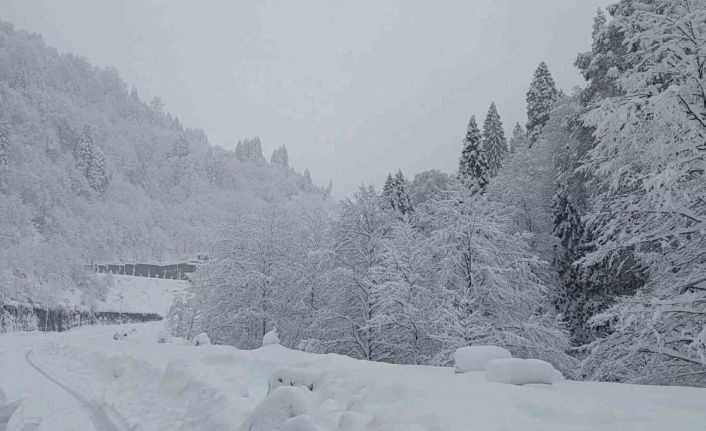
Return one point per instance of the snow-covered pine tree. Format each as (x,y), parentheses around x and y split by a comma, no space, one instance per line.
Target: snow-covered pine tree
(494,141)
(91,161)
(4,145)
(181,148)
(279,157)
(472,165)
(395,193)
(249,150)
(540,98)
(388,191)
(518,138)
(403,203)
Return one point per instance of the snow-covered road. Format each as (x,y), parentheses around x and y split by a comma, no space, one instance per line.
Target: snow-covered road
(85,380)
(30,397)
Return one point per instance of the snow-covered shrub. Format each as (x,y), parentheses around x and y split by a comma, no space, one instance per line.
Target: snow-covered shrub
(119,335)
(164,337)
(475,358)
(282,404)
(201,340)
(287,376)
(516,371)
(271,337)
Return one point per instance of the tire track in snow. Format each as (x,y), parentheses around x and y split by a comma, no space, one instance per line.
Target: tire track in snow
(104,417)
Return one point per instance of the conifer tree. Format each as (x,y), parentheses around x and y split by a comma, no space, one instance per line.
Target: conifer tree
(91,161)
(280,157)
(472,166)
(388,190)
(540,99)
(494,141)
(403,203)
(518,138)
(395,193)
(180,149)
(4,145)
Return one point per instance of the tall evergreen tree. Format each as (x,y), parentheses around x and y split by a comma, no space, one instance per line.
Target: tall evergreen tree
(472,166)
(91,161)
(540,98)
(4,145)
(494,141)
(403,203)
(280,157)
(395,193)
(518,138)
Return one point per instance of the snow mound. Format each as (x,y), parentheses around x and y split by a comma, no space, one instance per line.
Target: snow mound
(475,358)
(283,404)
(515,371)
(201,340)
(300,423)
(271,337)
(286,376)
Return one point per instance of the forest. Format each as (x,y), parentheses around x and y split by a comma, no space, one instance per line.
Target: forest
(579,239)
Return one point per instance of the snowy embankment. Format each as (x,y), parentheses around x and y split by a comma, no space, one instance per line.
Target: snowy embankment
(141,294)
(140,384)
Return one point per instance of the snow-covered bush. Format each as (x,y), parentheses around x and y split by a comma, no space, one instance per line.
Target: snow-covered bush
(119,335)
(271,337)
(201,340)
(287,376)
(283,404)
(516,371)
(164,337)
(475,358)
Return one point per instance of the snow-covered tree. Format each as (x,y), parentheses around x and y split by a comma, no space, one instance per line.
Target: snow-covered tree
(518,138)
(472,165)
(249,150)
(280,157)
(428,185)
(407,270)
(648,169)
(540,99)
(395,192)
(494,141)
(361,309)
(492,294)
(91,161)
(4,145)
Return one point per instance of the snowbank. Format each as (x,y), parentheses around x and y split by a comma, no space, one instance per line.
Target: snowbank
(475,358)
(201,340)
(282,405)
(287,376)
(271,337)
(300,423)
(217,388)
(515,371)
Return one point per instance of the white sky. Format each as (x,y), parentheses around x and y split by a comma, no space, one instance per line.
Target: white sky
(354,89)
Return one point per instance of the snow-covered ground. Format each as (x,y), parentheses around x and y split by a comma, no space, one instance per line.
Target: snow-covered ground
(85,380)
(141,294)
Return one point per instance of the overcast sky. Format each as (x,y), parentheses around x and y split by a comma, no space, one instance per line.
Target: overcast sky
(353,89)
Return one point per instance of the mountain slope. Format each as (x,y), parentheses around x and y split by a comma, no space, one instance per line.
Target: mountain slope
(90,172)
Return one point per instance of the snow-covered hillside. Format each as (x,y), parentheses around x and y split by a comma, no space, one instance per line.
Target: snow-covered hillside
(85,380)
